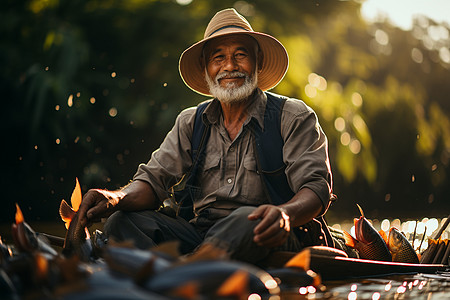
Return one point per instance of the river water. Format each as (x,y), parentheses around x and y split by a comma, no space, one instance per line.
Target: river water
(413,286)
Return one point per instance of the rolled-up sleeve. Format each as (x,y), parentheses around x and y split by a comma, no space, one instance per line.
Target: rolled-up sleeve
(305,151)
(168,163)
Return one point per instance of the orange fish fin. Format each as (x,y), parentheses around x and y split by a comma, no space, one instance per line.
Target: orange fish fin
(360,210)
(19,216)
(169,248)
(383,235)
(235,285)
(188,290)
(301,260)
(76,196)
(66,212)
(349,240)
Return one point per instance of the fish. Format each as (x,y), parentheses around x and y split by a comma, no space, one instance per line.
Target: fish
(401,250)
(136,263)
(368,241)
(77,240)
(26,239)
(213,279)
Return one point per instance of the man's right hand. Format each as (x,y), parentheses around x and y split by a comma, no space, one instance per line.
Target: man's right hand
(98,204)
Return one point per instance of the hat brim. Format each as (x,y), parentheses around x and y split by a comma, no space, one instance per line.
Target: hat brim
(274,65)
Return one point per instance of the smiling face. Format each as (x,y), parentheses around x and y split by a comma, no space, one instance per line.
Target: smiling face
(231,67)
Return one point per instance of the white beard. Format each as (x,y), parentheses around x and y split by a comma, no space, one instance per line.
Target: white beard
(232,93)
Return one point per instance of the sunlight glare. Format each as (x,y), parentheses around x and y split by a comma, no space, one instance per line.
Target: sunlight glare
(184,2)
(381,37)
(355,146)
(302,290)
(417,55)
(339,124)
(357,99)
(352,296)
(70,100)
(254,297)
(385,225)
(345,138)
(396,223)
(310,91)
(113,112)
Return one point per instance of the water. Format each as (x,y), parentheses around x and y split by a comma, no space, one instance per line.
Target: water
(418,286)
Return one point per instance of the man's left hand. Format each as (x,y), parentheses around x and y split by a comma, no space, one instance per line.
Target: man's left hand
(274,228)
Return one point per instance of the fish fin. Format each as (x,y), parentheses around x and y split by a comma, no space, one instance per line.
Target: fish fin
(70,268)
(189,290)
(169,248)
(19,215)
(66,212)
(301,260)
(41,267)
(360,210)
(206,251)
(76,196)
(349,240)
(145,272)
(384,236)
(235,285)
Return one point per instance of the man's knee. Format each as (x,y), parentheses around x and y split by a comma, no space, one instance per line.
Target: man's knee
(241,213)
(115,221)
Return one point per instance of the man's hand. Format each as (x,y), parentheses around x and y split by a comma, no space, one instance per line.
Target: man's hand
(274,228)
(98,204)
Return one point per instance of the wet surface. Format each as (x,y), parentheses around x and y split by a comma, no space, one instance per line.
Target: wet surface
(412,286)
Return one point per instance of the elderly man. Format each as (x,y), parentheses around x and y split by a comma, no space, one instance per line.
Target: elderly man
(247,171)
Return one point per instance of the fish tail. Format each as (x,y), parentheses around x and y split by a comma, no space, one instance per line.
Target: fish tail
(384,236)
(235,285)
(66,212)
(189,290)
(360,210)
(19,215)
(301,260)
(349,240)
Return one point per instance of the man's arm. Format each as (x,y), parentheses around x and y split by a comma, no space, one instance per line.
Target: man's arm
(276,221)
(98,204)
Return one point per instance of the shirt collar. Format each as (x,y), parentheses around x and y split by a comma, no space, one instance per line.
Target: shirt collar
(256,109)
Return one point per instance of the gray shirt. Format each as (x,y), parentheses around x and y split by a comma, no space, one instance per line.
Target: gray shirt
(229,178)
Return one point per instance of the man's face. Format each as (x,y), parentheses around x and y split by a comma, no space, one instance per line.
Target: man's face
(231,67)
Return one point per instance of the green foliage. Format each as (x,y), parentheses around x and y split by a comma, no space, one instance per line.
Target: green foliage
(91,87)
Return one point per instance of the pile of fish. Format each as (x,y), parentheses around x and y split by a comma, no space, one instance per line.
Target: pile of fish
(394,246)
(88,267)
(81,266)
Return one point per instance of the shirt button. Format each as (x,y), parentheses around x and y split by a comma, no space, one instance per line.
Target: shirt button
(229,180)
(232,149)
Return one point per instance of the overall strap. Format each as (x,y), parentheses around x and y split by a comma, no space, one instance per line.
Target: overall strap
(200,136)
(183,191)
(269,151)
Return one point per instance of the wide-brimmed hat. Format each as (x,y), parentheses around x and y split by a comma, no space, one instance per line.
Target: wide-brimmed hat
(227,22)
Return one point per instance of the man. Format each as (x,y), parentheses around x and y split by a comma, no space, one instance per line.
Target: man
(233,208)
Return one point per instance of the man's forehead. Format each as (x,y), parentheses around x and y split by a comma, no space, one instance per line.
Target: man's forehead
(240,40)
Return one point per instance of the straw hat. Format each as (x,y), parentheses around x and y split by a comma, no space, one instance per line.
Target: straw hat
(226,22)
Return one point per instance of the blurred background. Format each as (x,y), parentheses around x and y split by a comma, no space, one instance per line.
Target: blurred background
(91,87)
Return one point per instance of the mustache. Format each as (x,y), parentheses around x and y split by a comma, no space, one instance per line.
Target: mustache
(230,75)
